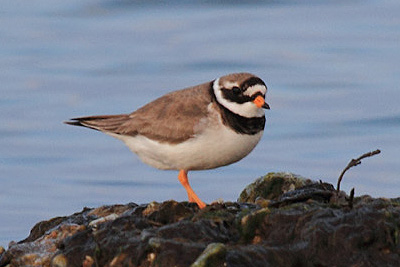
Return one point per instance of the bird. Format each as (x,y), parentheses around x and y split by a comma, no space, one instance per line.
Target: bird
(202,127)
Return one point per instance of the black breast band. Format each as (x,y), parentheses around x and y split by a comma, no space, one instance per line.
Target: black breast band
(239,123)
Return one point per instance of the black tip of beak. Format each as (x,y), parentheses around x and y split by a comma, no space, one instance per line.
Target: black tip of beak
(266,106)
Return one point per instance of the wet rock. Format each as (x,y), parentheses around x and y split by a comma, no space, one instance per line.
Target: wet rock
(280,220)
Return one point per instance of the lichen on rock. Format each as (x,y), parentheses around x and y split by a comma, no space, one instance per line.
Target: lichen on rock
(272,185)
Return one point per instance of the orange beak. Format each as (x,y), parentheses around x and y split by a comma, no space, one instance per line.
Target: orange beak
(260,102)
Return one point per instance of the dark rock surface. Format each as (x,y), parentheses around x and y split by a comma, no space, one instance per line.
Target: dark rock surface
(286,221)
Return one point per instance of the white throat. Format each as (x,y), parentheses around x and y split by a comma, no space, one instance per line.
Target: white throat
(247,109)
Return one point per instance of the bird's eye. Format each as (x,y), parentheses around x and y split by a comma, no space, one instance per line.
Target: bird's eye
(236,90)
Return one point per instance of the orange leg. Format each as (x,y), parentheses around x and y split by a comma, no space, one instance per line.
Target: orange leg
(191,194)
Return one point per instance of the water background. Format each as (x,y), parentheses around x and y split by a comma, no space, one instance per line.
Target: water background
(332,68)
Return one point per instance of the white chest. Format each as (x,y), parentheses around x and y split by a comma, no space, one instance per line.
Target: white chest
(212,148)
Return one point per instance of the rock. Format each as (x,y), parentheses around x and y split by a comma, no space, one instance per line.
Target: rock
(213,255)
(88,261)
(287,220)
(250,223)
(59,261)
(272,185)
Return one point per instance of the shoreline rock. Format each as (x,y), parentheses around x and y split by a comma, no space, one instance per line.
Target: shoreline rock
(279,220)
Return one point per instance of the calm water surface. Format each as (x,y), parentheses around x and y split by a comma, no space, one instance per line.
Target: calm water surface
(332,69)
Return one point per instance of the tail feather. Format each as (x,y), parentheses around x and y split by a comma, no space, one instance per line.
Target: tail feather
(107,123)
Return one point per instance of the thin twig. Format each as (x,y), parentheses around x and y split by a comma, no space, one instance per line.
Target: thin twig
(355,162)
(351,198)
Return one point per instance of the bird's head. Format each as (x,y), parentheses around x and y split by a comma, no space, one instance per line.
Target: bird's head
(241,93)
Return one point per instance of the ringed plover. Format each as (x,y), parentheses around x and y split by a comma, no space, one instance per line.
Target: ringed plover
(201,127)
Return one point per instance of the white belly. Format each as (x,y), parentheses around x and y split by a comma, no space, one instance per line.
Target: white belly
(212,148)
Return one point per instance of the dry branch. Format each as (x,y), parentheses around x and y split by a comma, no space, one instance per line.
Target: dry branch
(355,162)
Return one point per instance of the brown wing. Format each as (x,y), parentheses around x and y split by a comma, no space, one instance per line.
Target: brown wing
(170,118)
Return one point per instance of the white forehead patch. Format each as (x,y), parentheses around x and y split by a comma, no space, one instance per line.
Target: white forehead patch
(257,88)
(247,109)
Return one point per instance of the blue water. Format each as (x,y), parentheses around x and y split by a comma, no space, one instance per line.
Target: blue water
(332,69)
